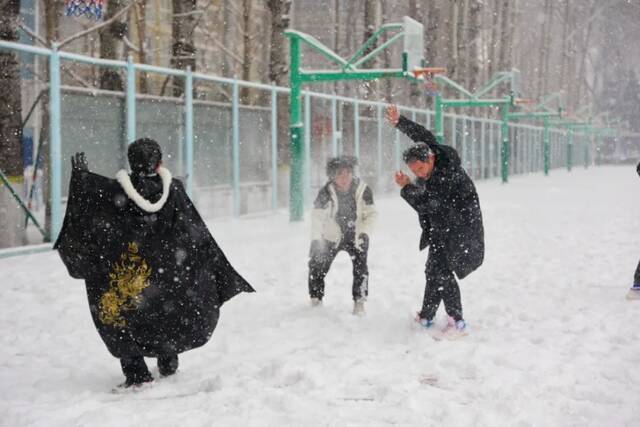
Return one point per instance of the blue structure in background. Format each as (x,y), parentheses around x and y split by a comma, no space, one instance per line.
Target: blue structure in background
(27,147)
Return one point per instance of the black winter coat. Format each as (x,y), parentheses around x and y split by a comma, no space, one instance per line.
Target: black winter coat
(155,280)
(447,205)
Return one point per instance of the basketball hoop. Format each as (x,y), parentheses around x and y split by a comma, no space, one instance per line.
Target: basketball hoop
(523,101)
(428,74)
(92,9)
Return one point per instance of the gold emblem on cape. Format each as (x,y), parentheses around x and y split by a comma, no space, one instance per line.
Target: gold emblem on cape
(126,281)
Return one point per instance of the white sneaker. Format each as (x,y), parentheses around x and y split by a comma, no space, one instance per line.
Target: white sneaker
(358,307)
(315,302)
(634,293)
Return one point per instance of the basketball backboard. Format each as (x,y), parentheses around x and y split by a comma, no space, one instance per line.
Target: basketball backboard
(413,49)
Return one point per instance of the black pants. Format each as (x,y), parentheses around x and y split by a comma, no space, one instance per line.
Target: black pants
(135,368)
(441,286)
(636,277)
(320,258)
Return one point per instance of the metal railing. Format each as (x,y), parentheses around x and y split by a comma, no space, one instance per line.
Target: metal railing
(478,140)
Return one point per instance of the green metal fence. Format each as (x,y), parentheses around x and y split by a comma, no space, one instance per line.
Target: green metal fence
(228,152)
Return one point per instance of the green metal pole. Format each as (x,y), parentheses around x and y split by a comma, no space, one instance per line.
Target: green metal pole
(439,119)
(546,146)
(188,129)
(296,202)
(587,144)
(569,149)
(505,143)
(55,143)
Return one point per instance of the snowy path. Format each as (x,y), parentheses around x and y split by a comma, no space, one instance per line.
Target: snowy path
(553,340)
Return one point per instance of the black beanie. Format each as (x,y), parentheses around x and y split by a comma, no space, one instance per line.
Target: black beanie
(144,156)
(419,151)
(336,164)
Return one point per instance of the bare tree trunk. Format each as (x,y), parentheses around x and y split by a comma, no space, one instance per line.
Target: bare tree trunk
(495,41)
(452,30)
(279,70)
(350,35)
(386,58)
(183,49)
(110,40)
(141,23)
(547,59)
(571,58)
(473,43)
(12,231)
(10,88)
(463,21)
(415,94)
(565,44)
(370,26)
(336,36)
(432,28)
(544,52)
(505,45)
(226,38)
(584,52)
(246,51)
(52,14)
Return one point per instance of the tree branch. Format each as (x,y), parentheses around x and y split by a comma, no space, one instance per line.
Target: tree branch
(98,27)
(32,34)
(130,44)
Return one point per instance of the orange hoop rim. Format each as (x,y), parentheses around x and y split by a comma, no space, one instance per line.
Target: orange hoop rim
(429,71)
(524,101)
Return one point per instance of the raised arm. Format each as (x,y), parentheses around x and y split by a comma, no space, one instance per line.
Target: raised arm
(416,132)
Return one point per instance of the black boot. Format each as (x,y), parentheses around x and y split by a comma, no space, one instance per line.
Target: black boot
(168,364)
(135,370)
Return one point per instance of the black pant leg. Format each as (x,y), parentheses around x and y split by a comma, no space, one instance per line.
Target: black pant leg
(360,287)
(441,285)
(135,368)
(320,259)
(168,364)
(636,277)
(432,296)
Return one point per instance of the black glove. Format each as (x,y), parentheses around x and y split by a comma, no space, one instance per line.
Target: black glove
(363,242)
(79,162)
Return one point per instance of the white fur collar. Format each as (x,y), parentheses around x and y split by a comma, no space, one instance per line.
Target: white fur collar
(125,181)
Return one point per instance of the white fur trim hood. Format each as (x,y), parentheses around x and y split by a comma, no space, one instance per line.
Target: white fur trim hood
(125,181)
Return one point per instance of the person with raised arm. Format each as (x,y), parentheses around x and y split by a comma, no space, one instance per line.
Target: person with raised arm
(448,208)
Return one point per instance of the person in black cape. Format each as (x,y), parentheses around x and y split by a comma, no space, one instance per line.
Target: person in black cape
(154,275)
(448,208)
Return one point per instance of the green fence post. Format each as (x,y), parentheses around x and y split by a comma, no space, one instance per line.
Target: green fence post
(274,148)
(483,146)
(356,128)
(131,100)
(55,142)
(439,119)
(505,143)
(569,149)
(296,200)
(307,148)
(546,146)
(334,126)
(379,147)
(235,148)
(188,129)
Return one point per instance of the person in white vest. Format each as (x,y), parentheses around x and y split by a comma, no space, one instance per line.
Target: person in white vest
(341,220)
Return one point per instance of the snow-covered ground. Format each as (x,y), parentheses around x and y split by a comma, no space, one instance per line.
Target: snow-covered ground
(553,341)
